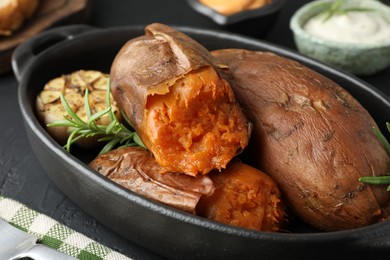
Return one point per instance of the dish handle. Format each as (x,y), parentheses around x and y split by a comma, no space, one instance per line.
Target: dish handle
(29,50)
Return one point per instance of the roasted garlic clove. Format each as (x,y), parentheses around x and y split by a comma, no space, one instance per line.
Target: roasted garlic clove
(73,86)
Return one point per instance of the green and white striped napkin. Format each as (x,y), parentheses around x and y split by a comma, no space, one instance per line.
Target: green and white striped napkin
(53,234)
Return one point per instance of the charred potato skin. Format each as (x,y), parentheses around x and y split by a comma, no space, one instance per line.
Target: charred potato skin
(312,137)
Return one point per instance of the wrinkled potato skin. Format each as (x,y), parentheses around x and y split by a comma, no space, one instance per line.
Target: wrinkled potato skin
(240,195)
(136,169)
(312,137)
(135,65)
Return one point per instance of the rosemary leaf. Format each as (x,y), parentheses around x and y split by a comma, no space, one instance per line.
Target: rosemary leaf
(128,137)
(75,139)
(388,126)
(383,139)
(86,104)
(64,122)
(376,179)
(109,146)
(138,141)
(71,113)
(111,126)
(71,139)
(90,134)
(98,115)
(108,101)
(106,138)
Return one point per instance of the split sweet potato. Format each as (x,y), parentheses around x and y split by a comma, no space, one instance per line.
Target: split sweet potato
(169,87)
(312,137)
(244,197)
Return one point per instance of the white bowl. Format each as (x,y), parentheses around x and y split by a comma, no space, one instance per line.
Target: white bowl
(356,58)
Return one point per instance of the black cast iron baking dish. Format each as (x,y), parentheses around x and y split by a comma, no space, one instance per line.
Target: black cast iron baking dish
(159,228)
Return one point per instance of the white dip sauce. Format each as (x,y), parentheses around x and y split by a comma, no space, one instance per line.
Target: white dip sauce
(353,27)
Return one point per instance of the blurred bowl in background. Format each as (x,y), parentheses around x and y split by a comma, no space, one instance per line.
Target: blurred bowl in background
(255,22)
(360,58)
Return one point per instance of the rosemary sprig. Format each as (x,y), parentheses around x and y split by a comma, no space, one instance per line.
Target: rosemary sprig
(382,138)
(377,180)
(338,7)
(115,133)
(381,180)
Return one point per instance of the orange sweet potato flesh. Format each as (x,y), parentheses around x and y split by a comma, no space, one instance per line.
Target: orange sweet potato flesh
(312,137)
(179,123)
(136,169)
(169,87)
(244,197)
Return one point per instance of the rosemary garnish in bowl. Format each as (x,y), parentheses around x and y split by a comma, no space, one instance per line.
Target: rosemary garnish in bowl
(114,134)
(385,179)
(338,7)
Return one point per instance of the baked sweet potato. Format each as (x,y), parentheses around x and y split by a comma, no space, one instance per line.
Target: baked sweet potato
(244,197)
(136,169)
(169,87)
(312,137)
(239,195)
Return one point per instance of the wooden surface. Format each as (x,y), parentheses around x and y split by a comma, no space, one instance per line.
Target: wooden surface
(50,13)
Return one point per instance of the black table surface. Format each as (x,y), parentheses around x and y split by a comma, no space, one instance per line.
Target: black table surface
(21,176)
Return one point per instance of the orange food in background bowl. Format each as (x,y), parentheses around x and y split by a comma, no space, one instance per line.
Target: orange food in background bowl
(234,6)
(250,17)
